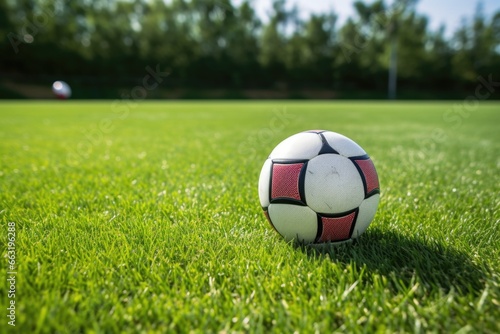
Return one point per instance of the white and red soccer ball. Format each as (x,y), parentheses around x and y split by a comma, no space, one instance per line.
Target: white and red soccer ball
(319,187)
(61,89)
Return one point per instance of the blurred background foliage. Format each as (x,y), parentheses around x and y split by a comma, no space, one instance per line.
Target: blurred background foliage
(214,48)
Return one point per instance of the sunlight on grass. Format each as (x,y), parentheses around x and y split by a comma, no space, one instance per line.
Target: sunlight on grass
(150,220)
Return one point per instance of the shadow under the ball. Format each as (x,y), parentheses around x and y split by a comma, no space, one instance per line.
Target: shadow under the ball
(406,259)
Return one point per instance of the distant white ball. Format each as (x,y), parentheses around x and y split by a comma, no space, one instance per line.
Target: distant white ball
(319,187)
(61,89)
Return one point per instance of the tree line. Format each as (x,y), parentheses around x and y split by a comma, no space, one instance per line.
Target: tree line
(218,44)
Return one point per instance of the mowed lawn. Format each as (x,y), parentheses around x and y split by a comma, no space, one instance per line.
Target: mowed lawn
(145,218)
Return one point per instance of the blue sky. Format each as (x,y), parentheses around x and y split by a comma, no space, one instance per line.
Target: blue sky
(449,12)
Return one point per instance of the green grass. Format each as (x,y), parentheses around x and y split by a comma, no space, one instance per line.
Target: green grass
(149,220)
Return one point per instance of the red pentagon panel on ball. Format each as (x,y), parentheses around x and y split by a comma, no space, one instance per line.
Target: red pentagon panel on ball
(337,228)
(369,173)
(285,181)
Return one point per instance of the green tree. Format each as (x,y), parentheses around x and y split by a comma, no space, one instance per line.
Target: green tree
(214,43)
(476,48)
(318,51)
(436,69)
(273,42)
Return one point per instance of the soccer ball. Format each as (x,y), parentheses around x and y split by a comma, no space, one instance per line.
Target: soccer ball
(319,187)
(61,89)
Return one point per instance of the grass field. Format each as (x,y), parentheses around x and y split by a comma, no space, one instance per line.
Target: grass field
(146,218)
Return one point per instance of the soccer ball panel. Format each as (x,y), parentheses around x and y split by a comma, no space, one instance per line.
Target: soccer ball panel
(369,173)
(285,182)
(300,146)
(332,184)
(343,145)
(294,221)
(264,181)
(367,211)
(335,229)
